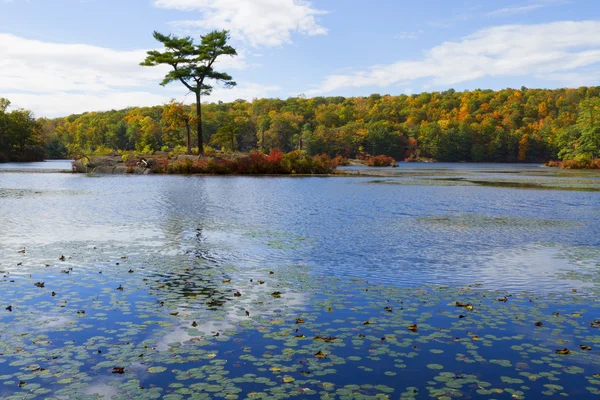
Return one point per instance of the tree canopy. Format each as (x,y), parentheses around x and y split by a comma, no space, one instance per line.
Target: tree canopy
(20,134)
(510,125)
(193,65)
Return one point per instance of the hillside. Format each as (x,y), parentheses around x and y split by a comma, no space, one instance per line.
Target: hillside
(526,125)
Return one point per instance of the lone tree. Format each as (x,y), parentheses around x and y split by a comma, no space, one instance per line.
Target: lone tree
(193,65)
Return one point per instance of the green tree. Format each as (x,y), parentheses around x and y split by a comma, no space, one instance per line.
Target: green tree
(4,121)
(193,65)
(588,124)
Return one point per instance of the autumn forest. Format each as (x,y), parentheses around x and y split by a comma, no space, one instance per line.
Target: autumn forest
(525,125)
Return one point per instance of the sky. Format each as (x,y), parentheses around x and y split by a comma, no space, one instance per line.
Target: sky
(60,57)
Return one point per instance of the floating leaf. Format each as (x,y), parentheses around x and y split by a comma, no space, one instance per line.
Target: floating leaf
(156,370)
(464,305)
(326,339)
(435,366)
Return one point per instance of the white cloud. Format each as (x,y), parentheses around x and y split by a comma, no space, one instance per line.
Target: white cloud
(522,9)
(545,51)
(54,79)
(36,66)
(259,22)
(66,103)
(515,10)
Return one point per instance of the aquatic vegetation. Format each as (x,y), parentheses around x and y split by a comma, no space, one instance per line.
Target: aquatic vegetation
(188,330)
(484,222)
(195,291)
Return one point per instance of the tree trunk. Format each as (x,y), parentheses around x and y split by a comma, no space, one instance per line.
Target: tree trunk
(189,138)
(199,119)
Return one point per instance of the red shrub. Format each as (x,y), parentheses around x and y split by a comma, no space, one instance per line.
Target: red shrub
(275,156)
(381,161)
(339,161)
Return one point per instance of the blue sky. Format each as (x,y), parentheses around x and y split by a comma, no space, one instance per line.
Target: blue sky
(67,56)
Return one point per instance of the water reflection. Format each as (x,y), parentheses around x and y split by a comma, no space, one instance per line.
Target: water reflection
(392,234)
(213,279)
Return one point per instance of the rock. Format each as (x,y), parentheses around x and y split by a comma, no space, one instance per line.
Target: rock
(80,165)
(103,169)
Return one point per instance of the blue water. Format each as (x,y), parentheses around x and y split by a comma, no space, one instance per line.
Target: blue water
(349,244)
(32,166)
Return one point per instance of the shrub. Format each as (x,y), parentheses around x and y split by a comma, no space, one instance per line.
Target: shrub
(220,166)
(582,163)
(209,150)
(339,161)
(180,167)
(101,151)
(296,162)
(178,150)
(553,163)
(380,161)
(158,166)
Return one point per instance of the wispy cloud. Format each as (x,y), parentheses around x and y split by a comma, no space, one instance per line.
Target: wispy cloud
(555,51)
(408,35)
(515,10)
(525,8)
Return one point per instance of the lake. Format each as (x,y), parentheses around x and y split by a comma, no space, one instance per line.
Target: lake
(427,280)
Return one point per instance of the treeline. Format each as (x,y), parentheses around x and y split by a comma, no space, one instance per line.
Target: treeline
(20,135)
(526,125)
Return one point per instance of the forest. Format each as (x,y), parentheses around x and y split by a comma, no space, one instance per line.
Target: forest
(21,136)
(525,125)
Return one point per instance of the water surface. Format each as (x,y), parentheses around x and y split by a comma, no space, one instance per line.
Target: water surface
(194,285)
